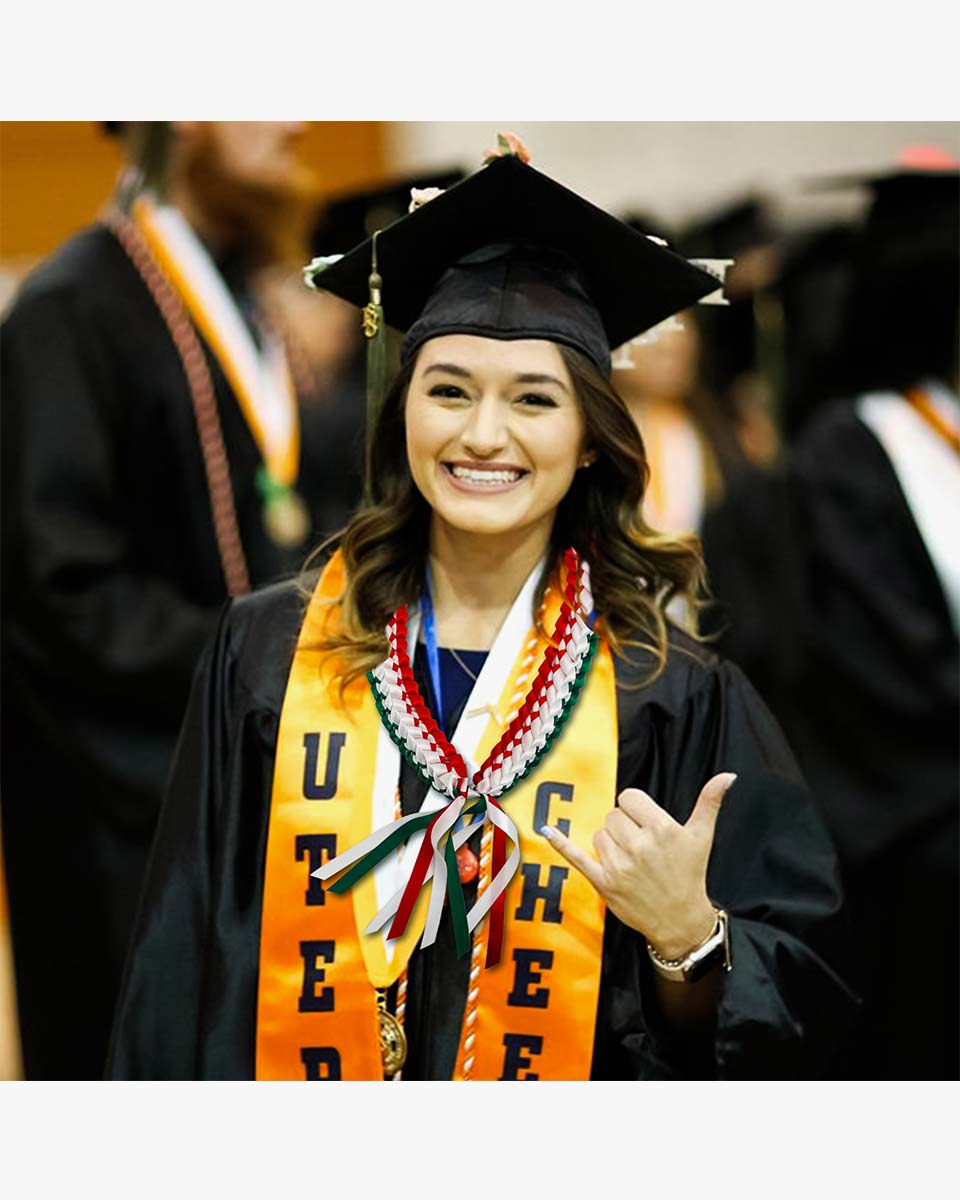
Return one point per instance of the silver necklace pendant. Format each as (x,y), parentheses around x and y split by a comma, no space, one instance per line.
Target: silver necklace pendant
(463,666)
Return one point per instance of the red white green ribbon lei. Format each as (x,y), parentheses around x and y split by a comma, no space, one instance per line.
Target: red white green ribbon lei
(539,720)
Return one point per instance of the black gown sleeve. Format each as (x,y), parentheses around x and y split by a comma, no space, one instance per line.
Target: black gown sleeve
(187,1007)
(77,605)
(786,1004)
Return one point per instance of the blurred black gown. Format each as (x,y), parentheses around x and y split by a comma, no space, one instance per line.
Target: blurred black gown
(111,586)
(835,610)
(189,1000)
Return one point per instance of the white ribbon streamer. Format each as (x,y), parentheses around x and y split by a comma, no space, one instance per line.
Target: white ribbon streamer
(355,853)
(499,882)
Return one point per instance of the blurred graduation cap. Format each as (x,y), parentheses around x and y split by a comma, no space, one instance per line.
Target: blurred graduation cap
(900,322)
(349,219)
(913,163)
(728,230)
(915,197)
(813,287)
(739,230)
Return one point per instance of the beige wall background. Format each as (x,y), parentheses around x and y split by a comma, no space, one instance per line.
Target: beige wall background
(679,170)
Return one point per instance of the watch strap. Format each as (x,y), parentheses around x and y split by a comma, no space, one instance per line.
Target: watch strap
(715,949)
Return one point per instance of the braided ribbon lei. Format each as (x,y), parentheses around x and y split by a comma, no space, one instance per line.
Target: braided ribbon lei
(539,720)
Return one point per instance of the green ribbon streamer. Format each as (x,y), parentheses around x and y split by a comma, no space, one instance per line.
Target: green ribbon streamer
(378,853)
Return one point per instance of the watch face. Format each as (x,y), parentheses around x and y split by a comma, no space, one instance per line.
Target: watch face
(715,956)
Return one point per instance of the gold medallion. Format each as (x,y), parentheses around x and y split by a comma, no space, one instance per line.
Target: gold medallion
(286,518)
(393,1038)
(393,1042)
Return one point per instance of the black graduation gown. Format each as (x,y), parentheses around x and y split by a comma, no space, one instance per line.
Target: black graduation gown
(111,586)
(188,1003)
(836,611)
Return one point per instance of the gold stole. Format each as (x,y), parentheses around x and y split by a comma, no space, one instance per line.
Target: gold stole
(317,1011)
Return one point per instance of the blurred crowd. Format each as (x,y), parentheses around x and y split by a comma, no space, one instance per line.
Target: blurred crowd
(183,420)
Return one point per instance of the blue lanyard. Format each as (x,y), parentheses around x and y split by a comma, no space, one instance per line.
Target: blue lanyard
(433,663)
(433,654)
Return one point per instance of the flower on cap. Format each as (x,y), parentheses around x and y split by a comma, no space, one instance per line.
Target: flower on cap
(317,266)
(508,145)
(421,196)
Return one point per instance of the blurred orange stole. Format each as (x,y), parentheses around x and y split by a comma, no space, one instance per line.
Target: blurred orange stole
(535,1013)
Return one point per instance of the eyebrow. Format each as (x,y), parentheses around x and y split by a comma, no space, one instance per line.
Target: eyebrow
(527,377)
(449,369)
(535,378)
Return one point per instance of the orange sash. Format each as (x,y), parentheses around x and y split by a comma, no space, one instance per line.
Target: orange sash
(533,1014)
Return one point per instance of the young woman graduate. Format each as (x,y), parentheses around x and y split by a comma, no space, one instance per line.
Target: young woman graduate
(492,842)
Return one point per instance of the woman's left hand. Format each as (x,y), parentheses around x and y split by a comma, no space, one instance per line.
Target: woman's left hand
(652,871)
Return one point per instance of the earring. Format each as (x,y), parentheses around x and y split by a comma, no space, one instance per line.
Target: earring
(587,461)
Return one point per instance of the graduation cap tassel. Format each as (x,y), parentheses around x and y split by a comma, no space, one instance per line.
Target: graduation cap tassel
(374,331)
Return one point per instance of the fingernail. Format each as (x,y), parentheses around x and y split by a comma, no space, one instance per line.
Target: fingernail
(547,832)
(731,780)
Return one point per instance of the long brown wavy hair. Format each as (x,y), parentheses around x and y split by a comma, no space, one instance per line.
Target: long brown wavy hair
(634,571)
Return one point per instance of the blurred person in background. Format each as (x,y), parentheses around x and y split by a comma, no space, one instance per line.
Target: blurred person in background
(154,463)
(737,339)
(692,389)
(657,376)
(852,596)
(799,299)
(812,292)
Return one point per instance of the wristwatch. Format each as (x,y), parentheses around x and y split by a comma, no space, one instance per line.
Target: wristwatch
(701,959)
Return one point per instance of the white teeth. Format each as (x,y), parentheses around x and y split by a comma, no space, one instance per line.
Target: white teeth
(485,477)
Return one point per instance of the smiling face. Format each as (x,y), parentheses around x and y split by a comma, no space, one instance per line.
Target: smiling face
(494,432)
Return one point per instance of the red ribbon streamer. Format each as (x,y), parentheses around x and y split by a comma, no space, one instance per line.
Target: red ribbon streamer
(499,907)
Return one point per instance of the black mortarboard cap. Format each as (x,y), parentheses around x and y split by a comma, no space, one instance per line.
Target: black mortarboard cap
(510,253)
